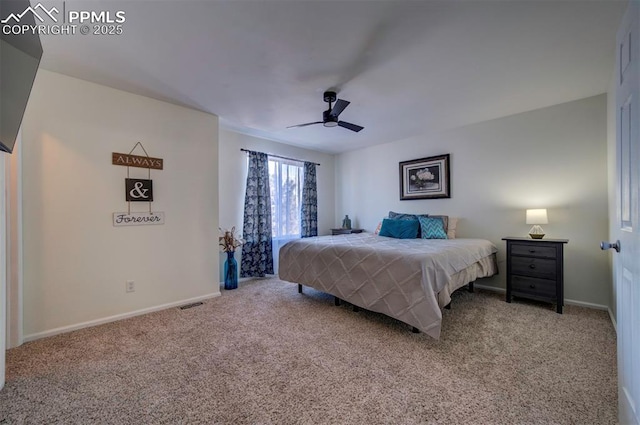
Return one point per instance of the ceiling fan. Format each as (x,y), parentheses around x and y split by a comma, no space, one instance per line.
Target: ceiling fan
(330,116)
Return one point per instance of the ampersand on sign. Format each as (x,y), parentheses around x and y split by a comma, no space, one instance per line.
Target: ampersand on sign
(139,190)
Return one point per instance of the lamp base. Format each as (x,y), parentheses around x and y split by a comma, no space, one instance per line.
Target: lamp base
(536,232)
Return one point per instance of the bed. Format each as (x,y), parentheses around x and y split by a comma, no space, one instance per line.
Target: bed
(408,279)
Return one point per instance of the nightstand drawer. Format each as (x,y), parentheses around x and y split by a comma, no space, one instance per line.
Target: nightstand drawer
(533,287)
(534,267)
(533,250)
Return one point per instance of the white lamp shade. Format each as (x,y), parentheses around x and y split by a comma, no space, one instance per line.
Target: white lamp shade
(538,216)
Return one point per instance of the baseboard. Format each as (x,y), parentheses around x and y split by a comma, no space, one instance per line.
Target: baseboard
(586,304)
(249,279)
(64,329)
(613,320)
(566,301)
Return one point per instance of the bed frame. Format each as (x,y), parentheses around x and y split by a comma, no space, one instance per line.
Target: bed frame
(337,301)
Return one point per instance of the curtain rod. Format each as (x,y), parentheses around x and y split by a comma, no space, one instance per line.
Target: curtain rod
(281,157)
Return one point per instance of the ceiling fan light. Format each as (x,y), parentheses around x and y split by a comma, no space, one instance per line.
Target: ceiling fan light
(330,124)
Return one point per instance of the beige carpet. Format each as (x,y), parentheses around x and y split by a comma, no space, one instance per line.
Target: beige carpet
(264,354)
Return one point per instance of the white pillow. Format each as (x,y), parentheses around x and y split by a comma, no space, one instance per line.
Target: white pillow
(451,230)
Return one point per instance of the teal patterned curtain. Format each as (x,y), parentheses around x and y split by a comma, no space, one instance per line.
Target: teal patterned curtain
(257,254)
(309,215)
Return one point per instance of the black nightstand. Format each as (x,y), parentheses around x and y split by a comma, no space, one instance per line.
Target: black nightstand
(535,269)
(345,231)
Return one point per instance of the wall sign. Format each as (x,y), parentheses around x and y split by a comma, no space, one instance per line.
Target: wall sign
(137,219)
(129,160)
(139,190)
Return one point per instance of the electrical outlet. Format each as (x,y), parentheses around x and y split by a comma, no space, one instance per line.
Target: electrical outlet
(131,286)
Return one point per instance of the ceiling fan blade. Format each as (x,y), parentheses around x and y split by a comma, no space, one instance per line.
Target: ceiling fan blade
(339,107)
(352,127)
(304,125)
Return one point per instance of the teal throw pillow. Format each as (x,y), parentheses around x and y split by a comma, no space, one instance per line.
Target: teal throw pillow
(399,229)
(406,216)
(432,228)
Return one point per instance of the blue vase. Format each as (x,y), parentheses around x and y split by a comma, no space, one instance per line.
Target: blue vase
(346,223)
(230,271)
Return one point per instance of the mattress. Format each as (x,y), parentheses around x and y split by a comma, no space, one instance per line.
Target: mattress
(408,279)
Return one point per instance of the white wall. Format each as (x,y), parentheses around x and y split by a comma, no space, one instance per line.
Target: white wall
(233,178)
(75,262)
(554,158)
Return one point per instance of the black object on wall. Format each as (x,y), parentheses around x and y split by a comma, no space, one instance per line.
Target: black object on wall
(19,60)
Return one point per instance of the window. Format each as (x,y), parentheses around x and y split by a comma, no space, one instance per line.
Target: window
(285,182)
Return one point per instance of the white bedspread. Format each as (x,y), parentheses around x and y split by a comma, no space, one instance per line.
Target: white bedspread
(397,277)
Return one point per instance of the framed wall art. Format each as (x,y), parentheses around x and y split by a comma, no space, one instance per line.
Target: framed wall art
(425,178)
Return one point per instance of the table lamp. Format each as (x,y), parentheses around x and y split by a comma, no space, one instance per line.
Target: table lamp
(537,217)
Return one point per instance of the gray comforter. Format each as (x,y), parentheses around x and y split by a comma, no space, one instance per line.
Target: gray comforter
(397,277)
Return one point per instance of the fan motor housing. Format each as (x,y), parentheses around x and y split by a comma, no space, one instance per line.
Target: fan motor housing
(329,120)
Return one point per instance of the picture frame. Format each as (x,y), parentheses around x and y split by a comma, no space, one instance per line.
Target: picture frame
(425,178)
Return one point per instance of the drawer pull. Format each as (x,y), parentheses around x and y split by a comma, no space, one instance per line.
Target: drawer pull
(532,286)
(532,266)
(532,251)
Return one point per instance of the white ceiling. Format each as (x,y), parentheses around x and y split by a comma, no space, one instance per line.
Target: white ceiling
(407,67)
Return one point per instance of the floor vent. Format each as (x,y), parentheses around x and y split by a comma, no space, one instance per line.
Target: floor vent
(184,307)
